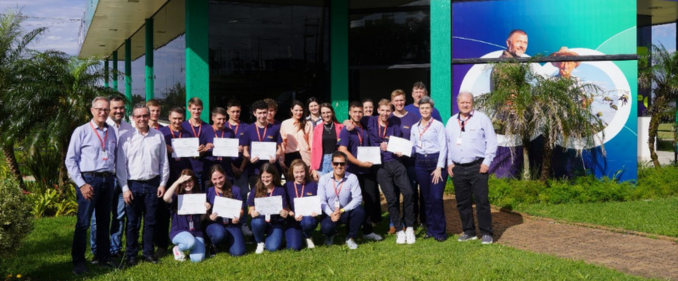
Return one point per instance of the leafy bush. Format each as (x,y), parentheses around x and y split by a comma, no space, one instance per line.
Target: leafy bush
(42,163)
(652,183)
(52,201)
(15,220)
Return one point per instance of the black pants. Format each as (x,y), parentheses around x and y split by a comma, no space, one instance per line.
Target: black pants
(371,202)
(392,176)
(162,224)
(468,181)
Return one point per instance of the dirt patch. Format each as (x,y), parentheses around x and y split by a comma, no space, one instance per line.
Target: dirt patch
(633,254)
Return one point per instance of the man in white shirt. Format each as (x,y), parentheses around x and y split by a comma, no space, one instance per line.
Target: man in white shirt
(142,172)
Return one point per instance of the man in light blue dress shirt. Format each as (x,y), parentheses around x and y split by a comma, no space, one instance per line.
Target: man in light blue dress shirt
(340,199)
(90,162)
(471,147)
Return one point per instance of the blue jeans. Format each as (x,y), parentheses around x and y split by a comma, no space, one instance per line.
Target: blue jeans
(273,233)
(100,201)
(432,194)
(353,219)
(325,165)
(294,230)
(144,205)
(117,225)
(229,234)
(187,242)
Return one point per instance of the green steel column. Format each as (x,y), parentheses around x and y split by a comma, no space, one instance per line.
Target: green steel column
(150,81)
(441,56)
(197,54)
(339,56)
(106,73)
(115,70)
(128,75)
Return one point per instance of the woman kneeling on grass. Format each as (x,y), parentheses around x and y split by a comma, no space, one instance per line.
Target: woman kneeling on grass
(222,229)
(302,186)
(270,227)
(186,231)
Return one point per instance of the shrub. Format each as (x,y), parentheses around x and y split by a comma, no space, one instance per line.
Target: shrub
(53,201)
(15,220)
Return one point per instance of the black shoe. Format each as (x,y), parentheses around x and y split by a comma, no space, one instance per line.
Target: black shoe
(441,239)
(131,261)
(246,230)
(427,236)
(213,251)
(150,259)
(107,263)
(95,260)
(160,252)
(80,269)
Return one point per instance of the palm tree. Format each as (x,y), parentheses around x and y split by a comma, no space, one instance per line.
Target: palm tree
(662,78)
(526,105)
(14,55)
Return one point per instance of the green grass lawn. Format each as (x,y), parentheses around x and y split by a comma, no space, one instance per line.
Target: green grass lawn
(657,216)
(45,255)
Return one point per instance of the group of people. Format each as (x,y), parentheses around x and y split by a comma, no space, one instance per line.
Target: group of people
(122,171)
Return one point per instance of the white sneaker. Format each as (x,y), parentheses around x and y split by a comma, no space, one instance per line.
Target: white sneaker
(260,248)
(409,235)
(329,240)
(178,254)
(400,237)
(309,243)
(351,244)
(372,236)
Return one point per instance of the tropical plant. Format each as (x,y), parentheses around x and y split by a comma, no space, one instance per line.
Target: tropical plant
(662,78)
(526,104)
(15,218)
(14,53)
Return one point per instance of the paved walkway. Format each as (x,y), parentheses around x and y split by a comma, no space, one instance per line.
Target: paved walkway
(633,254)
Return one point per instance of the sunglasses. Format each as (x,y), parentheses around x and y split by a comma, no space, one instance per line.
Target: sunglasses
(341,164)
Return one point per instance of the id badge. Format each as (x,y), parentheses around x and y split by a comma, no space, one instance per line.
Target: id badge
(459,140)
(190,226)
(224,220)
(267,218)
(104,155)
(336,204)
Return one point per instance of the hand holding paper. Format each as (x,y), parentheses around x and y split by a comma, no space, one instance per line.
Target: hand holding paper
(396,144)
(191,204)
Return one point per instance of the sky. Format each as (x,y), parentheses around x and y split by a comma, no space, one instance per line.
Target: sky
(62,17)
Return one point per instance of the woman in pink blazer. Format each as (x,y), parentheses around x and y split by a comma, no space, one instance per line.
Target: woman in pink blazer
(324,143)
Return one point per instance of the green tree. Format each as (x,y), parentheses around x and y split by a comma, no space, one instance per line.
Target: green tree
(14,55)
(662,78)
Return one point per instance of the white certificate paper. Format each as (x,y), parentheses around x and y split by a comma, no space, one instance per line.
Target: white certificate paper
(369,154)
(268,205)
(305,206)
(396,144)
(227,207)
(191,204)
(263,150)
(225,147)
(185,147)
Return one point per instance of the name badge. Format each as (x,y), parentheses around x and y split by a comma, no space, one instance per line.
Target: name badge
(104,155)
(459,140)
(190,226)
(336,204)
(267,218)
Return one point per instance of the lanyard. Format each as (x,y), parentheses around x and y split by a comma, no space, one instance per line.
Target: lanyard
(222,133)
(462,122)
(193,128)
(271,192)
(157,126)
(383,136)
(334,183)
(360,135)
(235,131)
(103,142)
(296,191)
(174,137)
(257,129)
(421,133)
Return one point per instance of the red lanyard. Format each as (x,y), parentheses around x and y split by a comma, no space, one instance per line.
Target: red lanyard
(222,133)
(193,128)
(103,142)
(236,128)
(172,132)
(383,136)
(296,191)
(157,126)
(360,135)
(257,129)
(427,126)
(459,121)
(334,183)
(271,193)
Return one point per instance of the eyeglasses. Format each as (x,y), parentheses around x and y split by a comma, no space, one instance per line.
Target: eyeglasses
(101,109)
(340,164)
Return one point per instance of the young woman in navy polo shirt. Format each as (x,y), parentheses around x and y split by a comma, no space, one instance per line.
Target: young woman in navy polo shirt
(296,226)
(220,229)
(186,231)
(267,233)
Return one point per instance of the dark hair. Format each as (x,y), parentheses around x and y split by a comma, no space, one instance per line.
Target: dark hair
(271,103)
(232,103)
(302,121)
(260,189)
(219,110)
(355,104)
(195,101)
(196,186)
(420,85)
(140,105)
(338,154)
(309,101)
(258,105)
(366,100)
(117,98)
(297,162)
(177,110)
(228,187)
(328,105)
(520,31)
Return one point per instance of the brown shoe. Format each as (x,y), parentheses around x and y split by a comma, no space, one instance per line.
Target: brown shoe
(392,230)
